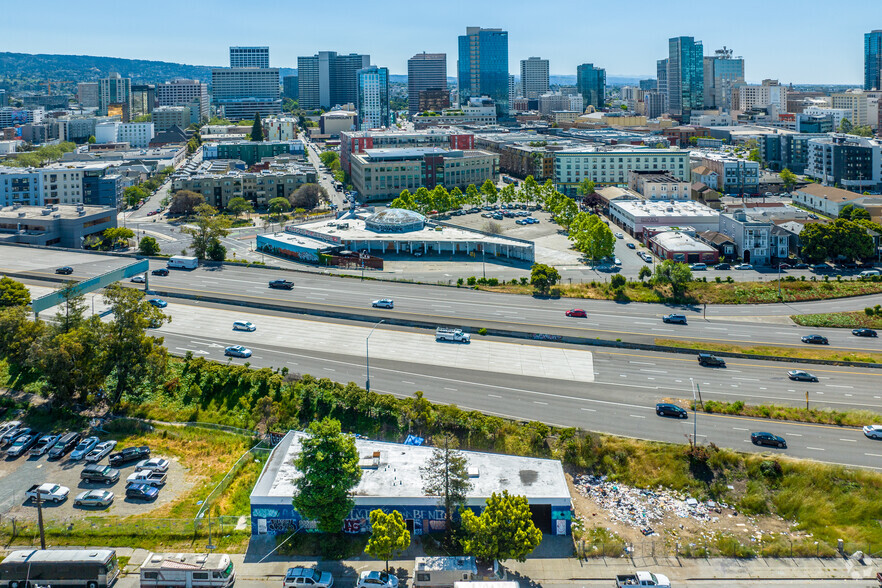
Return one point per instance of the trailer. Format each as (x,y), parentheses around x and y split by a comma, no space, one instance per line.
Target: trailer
(446,572)
(185,570)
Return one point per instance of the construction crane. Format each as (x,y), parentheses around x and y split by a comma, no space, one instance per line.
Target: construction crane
(48,84)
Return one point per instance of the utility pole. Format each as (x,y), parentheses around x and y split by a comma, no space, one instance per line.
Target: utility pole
(40,520)
(367,357)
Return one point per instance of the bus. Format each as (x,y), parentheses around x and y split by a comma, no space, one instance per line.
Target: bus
(187,570)
(80,568)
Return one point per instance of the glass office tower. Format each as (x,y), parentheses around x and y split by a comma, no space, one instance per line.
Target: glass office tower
(482,69)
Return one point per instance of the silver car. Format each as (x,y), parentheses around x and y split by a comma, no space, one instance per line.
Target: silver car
(94,498)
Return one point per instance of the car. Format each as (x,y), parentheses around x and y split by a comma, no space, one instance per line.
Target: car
(376,580)
(722,266)
(677,319)
(139,279)
(12,434)
(383,303)
(151,213)
(83,448)
(710,360)
(800,265)
(9,426)
(127,455)
(244,326)
(768,439)
(672,410)
(498,216)
(863,332)
(744,266)
(65,271)
(617,261)
(94,498)
(620,236)
(44,444)
(821,267)
(237,351)
(155,464)
(521,221)
(577,312)
(100,451)
(814,339)
(630,246)
(784,266)
(801,376)
(698,266)
(95,473)
(301,577)
(158,302)
(47,492)
(22,444)
(281,284)
(142,491)
(162,271)
(64,445)
(873,431)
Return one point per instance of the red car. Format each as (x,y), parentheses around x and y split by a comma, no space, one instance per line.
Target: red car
(577,312)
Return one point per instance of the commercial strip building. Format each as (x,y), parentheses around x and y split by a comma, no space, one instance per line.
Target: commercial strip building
(352,142)
(609,166)
(251,152)
(634,216)
(59,226)
(682,246)
(827,200)
(391,480)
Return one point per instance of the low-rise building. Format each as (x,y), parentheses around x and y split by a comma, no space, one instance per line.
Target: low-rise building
(724,244)
(733,175)
(280,128)
(137,135)
(656,185)
(59,226)
(827,200)
(337,121)
(465,115)
(251,152)
(682,247)
(352,142)
(57,184)
(759,242)
(636,215)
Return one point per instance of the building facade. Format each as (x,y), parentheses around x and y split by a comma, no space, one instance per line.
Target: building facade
(873,60)
(685,83)
(190,93)
(137,135)
(482,69)
(352,142)
(165,117)
(251,152)
(58,226)
(426,72)
(240,93)
(53,185)
(373,98)
(722,74)
(854,163)
(768,93)
(115,96)
(635,216)
(756,241)
(534,77)
(249,57)
(591,84)
(87,94)
(327,79)
(434,100)
(654,185)
(855,102)
(290,87)
(661,68)
(610,166)
(786,151)
(465,115)
(143,99)
(734,175)
(257,187)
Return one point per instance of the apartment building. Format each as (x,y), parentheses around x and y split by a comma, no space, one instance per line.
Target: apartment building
(847,161)
(165,117)
(279,180)
(759,242)
(734,175)
(352,142)
(609,166)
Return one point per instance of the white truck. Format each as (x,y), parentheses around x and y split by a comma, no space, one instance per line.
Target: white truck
(47,492)
(454,335)
(182,262)
(446,572)
(642,579)
(149,477)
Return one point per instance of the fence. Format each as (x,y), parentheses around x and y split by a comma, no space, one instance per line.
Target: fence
(256,451)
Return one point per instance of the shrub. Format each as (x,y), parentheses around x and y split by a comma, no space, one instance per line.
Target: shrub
(718,280)
(493,281)
(869,311)
(471,281)
(459,282)
(524,280)
(618,281)
(770,468)
(482,331)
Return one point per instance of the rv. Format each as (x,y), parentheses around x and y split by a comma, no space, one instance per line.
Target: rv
(187,570)
(444,572)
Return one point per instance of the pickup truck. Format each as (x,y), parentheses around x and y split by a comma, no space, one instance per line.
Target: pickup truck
(128,454)
(47,492)
(149,477)
(642,579)
(281,284)
(454,335)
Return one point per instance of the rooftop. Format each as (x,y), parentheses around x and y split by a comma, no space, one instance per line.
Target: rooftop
(829,193)
(664,208)
(49,213)
(677,241)
(655,177)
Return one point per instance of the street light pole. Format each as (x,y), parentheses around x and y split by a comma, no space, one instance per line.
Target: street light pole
(694,414)
(367,356)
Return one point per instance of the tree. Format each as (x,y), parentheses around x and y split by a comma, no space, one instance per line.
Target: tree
(543,277)
(530,189)
(257,128)
(505,529)
(18,333)
(813,238)
(135,194)
(586,187)
(143,118)
(72,361)
(592,236)
(846,211)
(845,126)
(278,205)
(473,197)
(754,155)
(266,414)
(563,209)
(788,178)
(674,273)
(185,202)
(446,474)
(72,311)
(490,192)
(91,140)
(331,159)
(860,214)
(208,229)
(328,464)
(148,246)
(216,251)
(862,130)
(389,534)
(13,293)
(236,206)
(116,237)
(308,196)
(644,273)
(841,239)
(405,201)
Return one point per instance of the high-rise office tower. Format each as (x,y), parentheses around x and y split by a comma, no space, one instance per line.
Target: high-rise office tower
(534,77)
(182,92)
(482,68)
(115,96)
(290,87)
(685,76)
(425,71)
(373,97)
(873,60)
(591,84)
(241,92)
(143,99)
(327,79)
(722,73)
(249,57)
(661,68)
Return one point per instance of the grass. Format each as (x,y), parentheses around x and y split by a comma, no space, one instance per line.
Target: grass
(597,542)
(843,320)
(775,351)
(848,418)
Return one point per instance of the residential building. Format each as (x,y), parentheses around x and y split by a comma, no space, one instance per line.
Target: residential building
(873,60)
(591,84)
(434,100)
(426,72)
(143,99)
(59,226)
(482,69)
(55,184)
(685,76)
(373,98)
(46,101)
(115,96)
(654,185)
(165,117)
(845,160)
(610,165)
(534,77)
(806,123)
(478,112)
(11,116)
(855,102)
(251,152)
(102,184)
(290,87)
(827,200)
(280,128)
(786,151)
(240,93)
(249,57)
(758,242)
(190,93)
(137,135)
(649,85)
(711,118)
(636,216)
(722,73)
(352,142)
(380,174)
(523,154)
(327,79)
(734,175)
(769,92)
(336,121)
(87,94)
(174,135)
(654,103)
(682,247)
(514,90)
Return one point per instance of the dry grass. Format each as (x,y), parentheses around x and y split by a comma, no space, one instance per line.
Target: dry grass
(775,351)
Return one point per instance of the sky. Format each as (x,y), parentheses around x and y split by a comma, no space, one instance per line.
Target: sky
(798,41)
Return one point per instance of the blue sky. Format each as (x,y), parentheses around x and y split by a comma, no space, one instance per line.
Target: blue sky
(799,41)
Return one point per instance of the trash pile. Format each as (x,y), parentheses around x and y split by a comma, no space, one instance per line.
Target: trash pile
(642,509)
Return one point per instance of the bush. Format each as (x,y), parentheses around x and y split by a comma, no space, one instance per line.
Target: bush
(869,311)
(524,280)
(482,331)
(618,281)
(459,282)
(718,280)
(492,281)
(471,281)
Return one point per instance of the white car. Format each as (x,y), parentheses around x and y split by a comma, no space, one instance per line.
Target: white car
(744,266)
(620,236)
(139,279)
(83,448)
(100,451)
(376,580)
(873,431)
(244,326)
(154,464)
(383,303)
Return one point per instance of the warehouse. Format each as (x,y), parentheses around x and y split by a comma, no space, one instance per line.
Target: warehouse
(391,480)
(635,215)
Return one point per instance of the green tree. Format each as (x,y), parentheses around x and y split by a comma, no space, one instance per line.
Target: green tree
(238,205)
(674,273)
(19,334)
(530,189)
(91,140)
(117,237)
(491,194)
(142,118)
(862,131)
(644,273)
(473,197)
(389,535)
(328,464)
(592,237)
(308,196)
(72,361)
(446,474)
(586,187)
(503,531)
(543,278)
(563,210)
(845,126)
(754,155)
(216,251)
(135,194)
(860,214)
(257,128)
(208,229)
(13,293)
(846,211)
(278,206)
(423,200)
(148,246)
(508,194)
(185,202)
(788,178)
(457,197)
(842,238)
(330,159)
(72,310)
(814,239)
(405,201)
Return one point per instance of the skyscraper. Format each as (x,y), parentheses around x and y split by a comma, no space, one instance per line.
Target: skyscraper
(685,76)
(190,93)
(534,77)
(873,60)
(722,72)
(290,87)
(373,97)
(115,96)
(425,71)
(241,92)
(327,79)
(591,84)
(482,68)
(661,68)
(249,57)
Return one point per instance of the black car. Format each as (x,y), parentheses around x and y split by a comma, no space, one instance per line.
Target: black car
(723,266)
(800,266)
(768,439)
(282,284)
(129,454)
(815,339)
(64,445)
(863,332)
(710,360)
(99,474)
(672,410)
(162,271)
(66,270)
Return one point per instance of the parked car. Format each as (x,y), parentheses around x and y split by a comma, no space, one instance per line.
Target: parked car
(12,434)
(301,577)
(672,410)
(128,454)
(65,271)
(722,266)
(139,279)
(620,236)
(48,492)
(814,339)
(383,303)
(162,271)
(744,266)
(22,444)
(281,285)
(9,426)
(64,445)
(142,491)
(863,332)
(99,474)
(873,431)
(800,265)
(710,360)
(83,448)
(630,246)
(158,302)
(44,444)
(801,376)
(156,464)
(768,439)
(149,477)
(698,267)
(784,266)
(376,580)
(94,498)
(100,451)
(244,326)
(237,351)
(678,319)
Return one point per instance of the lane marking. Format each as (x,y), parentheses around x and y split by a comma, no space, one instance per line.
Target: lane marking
(815,448)
(849,440)
(637,416)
